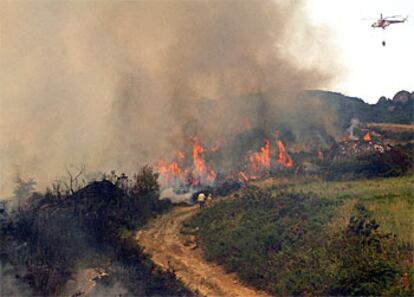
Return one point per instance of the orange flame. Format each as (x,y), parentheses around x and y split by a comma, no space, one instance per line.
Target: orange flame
(284,158)
(200,171)
(260,161)
(258,164)
(169,172)
(367,137)
(172,172)
(198,158)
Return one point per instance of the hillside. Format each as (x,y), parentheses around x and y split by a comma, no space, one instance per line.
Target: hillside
(322,229)
(307,117)
(399,110)
(314,237)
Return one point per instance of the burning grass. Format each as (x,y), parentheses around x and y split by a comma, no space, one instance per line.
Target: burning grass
(201,166)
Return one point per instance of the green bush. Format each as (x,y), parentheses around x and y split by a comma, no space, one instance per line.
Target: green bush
(367,259)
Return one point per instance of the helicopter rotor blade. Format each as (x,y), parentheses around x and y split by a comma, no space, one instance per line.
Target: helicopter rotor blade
(393,16)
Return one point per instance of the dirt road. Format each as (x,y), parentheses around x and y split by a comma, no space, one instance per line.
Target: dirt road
(161,239)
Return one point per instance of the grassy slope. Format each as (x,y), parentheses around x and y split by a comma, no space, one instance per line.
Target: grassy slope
(390,199)
(283,238)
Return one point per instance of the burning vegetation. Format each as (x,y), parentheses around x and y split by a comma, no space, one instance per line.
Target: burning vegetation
(367,137)
(205,163)
(199,166)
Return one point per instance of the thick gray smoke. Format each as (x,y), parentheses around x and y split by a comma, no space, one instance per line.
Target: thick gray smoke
(114,85)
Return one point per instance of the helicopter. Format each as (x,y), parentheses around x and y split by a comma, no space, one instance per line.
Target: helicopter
(384,22)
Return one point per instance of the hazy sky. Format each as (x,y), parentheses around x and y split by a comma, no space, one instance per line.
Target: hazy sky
(372,70)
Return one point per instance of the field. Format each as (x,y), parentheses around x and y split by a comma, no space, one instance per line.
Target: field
(294,237)
(391,201)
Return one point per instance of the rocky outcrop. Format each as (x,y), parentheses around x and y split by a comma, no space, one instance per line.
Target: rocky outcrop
(403,97)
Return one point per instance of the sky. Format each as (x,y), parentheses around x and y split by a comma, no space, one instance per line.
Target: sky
(372,70)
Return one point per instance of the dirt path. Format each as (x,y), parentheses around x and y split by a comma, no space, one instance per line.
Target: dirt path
(161,239)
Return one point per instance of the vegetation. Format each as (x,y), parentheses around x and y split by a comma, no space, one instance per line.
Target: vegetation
(48,237)
(390,200)
(318,238)
(396,161)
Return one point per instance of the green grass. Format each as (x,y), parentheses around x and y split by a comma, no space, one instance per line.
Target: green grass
(391,201)
(313,237)
(390,189)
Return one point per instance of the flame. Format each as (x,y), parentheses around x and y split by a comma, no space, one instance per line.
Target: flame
(201,173)
(211,175)
(367,137)
(169,172)
(198,158)
(258,162)
(172,172)
(284,158)
(266,154)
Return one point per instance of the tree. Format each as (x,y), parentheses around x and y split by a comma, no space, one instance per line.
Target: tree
(73,178)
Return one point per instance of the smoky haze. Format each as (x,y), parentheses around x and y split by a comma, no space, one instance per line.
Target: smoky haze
(114,85)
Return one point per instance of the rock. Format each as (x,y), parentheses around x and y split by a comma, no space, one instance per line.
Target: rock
(382,100)
(402,97)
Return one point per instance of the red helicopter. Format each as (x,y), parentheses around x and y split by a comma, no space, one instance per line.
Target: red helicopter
(384,22)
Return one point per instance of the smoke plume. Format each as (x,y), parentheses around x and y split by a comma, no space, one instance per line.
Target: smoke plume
(117,85)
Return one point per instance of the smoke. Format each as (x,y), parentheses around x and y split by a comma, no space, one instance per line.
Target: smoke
(170,193)
(353,125)
(116,289)
(117,85)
